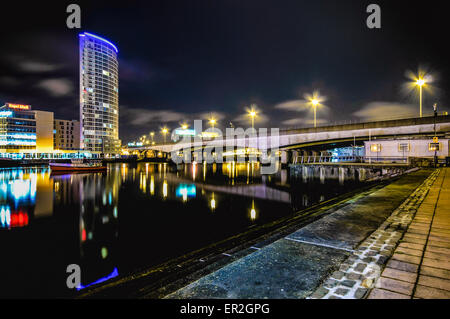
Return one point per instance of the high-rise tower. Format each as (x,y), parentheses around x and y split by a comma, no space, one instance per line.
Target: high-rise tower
(99,95)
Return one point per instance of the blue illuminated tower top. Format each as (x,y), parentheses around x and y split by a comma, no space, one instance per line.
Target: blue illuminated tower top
(88,34)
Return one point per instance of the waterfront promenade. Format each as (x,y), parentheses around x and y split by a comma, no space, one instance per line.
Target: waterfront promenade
(387,242)
(324,259)
(420,265)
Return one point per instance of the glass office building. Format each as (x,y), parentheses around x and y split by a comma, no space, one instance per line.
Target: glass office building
(17,128)
(25,133)
(99,95)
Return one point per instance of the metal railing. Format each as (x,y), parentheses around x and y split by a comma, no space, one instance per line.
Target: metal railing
(361,121)
(350,159)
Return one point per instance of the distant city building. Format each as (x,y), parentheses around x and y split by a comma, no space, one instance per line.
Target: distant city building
(99,95)
(67,135)
(25,132)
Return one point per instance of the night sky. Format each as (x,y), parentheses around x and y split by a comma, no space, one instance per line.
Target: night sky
(182,60)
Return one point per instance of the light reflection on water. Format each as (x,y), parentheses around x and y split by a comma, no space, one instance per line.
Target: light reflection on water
(134,216)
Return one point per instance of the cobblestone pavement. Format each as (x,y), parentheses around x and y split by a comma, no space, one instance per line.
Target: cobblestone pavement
(399,242)
(420,265)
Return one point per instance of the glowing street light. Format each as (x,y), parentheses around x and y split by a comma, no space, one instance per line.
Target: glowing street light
(315,102)
(252,113)
(420,82)
(152,134)
(212,121)
(164,132)
(184,126)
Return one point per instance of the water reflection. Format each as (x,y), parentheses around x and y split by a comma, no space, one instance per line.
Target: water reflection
(137,215)
(253,211)
(213,202)
(24,194)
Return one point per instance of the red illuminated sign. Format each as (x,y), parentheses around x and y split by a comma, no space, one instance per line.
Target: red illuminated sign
(18,106)
(19,219)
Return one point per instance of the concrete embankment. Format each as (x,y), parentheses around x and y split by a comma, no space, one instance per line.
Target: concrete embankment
(295,265)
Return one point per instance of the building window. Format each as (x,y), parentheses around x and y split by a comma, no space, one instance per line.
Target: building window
(434,147)
(403,147)
(375,148)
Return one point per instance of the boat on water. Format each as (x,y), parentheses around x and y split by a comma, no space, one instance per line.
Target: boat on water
(78,166)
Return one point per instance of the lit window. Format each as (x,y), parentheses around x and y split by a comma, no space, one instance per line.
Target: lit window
(434,146)
(375,148)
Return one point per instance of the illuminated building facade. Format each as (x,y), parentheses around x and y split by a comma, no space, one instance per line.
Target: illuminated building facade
(99,95)
(404,148)
(67,135)
(25,131)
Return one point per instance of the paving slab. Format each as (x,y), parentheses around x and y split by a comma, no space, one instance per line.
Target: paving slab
(348,227)
(283,269)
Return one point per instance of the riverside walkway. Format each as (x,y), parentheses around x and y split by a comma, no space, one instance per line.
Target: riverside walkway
(329,258)
(420,265)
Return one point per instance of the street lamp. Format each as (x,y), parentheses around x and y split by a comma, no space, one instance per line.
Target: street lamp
(252,113)
(420,82)
(152,134)
(164,131)
(314,100)
(435,140)
(315,103)
(212,121)
(184,126)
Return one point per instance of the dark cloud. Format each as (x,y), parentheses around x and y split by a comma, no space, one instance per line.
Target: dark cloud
(301,122)
(57,87)
(38,67)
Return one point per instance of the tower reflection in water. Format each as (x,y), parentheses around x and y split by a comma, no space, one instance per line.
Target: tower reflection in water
(97,196)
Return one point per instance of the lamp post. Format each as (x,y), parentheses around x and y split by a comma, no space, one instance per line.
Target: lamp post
(152,134)
(315,103)
(252,113)
(435,137)
(420,83)
(164,131)
(315,100)
(212,121)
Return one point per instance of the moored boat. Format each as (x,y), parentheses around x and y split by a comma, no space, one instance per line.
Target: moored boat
(77,166)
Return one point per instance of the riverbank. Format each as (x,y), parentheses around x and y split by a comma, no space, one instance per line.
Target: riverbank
(294,266)
(214,272)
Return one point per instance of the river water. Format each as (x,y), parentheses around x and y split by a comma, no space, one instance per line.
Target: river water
(134,216)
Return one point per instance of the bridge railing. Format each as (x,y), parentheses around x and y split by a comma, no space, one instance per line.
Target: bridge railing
(360,121)
(350,159)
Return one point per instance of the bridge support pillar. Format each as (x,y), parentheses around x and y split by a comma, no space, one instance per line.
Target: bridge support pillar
(305,173)
(294,157)
(362,174)
(284,157)
(341,175)
(322,175)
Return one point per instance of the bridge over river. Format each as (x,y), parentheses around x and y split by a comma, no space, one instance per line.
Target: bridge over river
(321,138)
